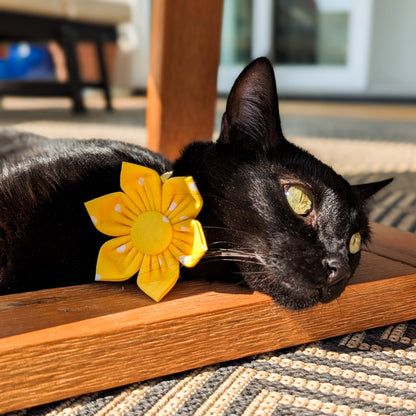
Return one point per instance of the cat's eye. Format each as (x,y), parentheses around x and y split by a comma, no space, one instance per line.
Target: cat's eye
(298,200)
(355,243)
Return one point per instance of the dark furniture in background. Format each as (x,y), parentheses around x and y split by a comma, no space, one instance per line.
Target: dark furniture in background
(17,27)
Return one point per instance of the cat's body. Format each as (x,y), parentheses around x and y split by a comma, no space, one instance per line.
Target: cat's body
(46,238)
(253,233)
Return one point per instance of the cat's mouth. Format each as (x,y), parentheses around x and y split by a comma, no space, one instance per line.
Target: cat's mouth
(330,293)
(297,297)
(293,285)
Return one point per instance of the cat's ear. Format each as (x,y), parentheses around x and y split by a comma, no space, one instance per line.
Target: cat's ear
(251,120)
(367,190)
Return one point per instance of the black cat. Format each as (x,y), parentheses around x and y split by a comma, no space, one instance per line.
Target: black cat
(274,216)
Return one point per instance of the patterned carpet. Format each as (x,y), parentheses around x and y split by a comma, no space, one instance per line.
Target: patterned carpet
(361,374)
(394,206)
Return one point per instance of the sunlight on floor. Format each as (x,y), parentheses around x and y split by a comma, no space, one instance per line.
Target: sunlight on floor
(351,137)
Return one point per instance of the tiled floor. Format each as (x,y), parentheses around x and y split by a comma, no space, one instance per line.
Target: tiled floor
(52,117)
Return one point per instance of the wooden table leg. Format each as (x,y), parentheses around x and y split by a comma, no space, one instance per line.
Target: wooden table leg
(69,39)
(184,58)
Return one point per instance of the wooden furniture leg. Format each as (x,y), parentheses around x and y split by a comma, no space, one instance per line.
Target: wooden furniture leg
(104,74)
(16,27)
(185,50)
(68,42)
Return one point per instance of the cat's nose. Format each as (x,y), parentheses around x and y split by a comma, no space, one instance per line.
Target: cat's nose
(337,271)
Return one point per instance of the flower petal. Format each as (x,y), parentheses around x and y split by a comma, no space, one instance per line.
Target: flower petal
(143,185)
(188,242)
(112,214)
(181,198)
(158,274)
(118,260)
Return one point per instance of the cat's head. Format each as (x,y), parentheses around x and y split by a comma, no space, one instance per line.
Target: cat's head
(286,223)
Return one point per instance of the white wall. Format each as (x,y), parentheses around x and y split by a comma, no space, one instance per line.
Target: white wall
(391,68)
(393,51)
(132,66)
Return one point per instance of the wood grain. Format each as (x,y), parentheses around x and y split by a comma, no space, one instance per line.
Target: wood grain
(393,243)
(182,84)
(58,343)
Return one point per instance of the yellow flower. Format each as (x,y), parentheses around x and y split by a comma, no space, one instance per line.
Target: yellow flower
(154,228)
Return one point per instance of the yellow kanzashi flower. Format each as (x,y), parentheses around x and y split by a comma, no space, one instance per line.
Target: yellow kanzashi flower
(154,228)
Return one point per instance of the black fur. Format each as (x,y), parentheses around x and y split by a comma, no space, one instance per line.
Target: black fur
(47,239)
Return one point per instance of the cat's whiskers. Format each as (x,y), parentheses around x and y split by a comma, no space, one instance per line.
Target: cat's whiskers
(228,230)
(235,255)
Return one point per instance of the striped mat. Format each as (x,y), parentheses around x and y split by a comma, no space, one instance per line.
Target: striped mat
(395,205)
(361,374)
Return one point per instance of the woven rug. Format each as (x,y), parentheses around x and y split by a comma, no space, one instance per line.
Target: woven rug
(366,373)
(360,374)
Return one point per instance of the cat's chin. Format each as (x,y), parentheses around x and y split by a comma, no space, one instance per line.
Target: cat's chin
(294,297)
(298,303)
(333,292)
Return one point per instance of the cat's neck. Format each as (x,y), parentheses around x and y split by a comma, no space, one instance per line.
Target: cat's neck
(194,159)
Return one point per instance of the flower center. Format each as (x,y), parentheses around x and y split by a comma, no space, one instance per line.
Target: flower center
(151,232)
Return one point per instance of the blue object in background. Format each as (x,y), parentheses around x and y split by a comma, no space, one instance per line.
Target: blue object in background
(4,69)
(29,62)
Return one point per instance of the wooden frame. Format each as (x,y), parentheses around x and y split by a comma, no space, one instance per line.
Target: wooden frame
(59,343)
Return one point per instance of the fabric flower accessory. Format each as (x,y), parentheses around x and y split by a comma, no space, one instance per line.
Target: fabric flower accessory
(152,222)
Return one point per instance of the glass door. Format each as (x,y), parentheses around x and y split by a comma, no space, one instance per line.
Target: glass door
(316,46)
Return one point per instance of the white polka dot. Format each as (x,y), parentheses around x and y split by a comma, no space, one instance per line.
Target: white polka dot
(94,220)
(184,259)
(165,176)
(160,261)
(97,277)
(165,219)
(172,206)
(183,228)
(141,181)
(121,249)
(193,186)
(117,208)
(183,218)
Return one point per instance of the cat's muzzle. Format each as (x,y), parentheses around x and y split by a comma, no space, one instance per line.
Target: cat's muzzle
(339,274)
